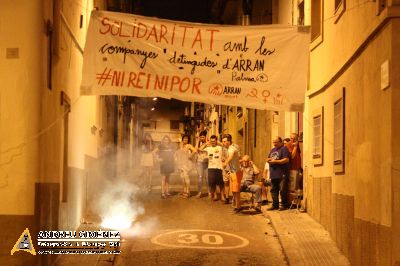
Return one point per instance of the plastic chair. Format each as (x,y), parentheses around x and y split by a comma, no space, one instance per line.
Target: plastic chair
(249,198)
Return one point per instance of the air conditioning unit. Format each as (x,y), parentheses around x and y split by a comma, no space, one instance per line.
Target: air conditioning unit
(149,124)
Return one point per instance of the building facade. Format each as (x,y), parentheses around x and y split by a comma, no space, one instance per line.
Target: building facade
(350,127)
(48,135)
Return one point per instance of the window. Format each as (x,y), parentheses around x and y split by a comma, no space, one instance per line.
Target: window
(318,135)
(340,7)
(300,19)
(149,125)
(338,133)
(381,4)
(317,10)
(338,3)
(174,124)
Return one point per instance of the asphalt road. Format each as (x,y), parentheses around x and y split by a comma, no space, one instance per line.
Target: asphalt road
(177,231)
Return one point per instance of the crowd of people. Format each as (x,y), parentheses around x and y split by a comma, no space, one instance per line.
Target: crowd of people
(224,170)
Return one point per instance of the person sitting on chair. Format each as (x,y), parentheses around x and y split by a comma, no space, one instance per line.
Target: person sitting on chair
(250,173)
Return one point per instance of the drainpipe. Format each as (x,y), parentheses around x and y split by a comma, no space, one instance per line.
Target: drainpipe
(247,6)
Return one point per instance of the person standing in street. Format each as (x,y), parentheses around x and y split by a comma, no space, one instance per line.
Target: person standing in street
(265,183)
(214,152)
(202,164)
(278,160)
(184,161)
(225,175)
(295,160)
(232,162)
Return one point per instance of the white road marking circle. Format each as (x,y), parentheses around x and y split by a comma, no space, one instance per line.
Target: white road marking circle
(200,239)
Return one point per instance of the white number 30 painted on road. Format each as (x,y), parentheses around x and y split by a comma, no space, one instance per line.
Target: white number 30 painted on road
(210,239)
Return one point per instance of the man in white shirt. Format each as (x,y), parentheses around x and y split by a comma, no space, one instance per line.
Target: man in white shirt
(214,153)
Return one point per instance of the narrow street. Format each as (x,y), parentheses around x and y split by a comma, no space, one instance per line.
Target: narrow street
(200,232)
(109,109)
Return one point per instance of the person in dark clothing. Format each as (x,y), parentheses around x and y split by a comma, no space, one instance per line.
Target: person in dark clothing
(278,160)
(166,157)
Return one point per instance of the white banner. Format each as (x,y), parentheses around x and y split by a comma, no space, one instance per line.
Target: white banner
(262,67)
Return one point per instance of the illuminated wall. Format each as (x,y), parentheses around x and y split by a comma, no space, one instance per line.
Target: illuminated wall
(21,82)
(358,206)
(70,21)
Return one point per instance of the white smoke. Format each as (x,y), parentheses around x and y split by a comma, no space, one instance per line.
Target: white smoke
(114,194)
(142,228)
(119,205)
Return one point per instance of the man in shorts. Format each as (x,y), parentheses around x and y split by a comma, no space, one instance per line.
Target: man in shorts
(233,165)
(214,153)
